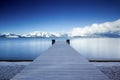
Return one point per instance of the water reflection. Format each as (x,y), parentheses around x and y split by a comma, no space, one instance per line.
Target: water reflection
(30,48)
(23,48)
(98,48)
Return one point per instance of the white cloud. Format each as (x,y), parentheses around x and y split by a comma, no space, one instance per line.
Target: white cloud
(107,27)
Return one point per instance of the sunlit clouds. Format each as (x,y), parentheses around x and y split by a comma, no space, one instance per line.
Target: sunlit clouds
(107,27)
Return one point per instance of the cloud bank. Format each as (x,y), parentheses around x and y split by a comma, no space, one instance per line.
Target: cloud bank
(98,29)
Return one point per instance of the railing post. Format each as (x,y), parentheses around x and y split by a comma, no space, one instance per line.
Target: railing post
(53,41)
(68,41)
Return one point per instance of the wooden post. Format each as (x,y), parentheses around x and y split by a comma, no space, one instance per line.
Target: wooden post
(68,41)
(53,41)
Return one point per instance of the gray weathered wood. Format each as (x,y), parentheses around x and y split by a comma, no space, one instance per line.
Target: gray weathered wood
(60,62)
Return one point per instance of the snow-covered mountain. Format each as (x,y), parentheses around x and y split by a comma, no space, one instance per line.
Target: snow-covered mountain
(32,34)
(46,34)
(9,35)
(43,34)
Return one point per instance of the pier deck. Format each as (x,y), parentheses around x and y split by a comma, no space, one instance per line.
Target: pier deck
(60,62)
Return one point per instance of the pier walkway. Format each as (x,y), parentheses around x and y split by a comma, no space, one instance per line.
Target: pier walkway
(60,62)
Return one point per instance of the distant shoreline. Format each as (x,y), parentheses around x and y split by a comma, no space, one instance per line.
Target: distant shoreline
(104,60)
(33,60)
(16,60)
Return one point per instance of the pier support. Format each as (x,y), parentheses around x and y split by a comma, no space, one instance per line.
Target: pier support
(53,41)
(68,41)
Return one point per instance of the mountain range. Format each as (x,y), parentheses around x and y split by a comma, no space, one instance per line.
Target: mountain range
(106,29)
(32,34)
(39,34)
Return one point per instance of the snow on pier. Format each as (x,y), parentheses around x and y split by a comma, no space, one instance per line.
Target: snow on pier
(60,62)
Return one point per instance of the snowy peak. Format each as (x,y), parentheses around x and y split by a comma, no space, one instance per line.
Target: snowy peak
(9,35)
(44,34)
(39,34)
(33,34)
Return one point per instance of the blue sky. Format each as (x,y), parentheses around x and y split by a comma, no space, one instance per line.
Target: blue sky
(22,16)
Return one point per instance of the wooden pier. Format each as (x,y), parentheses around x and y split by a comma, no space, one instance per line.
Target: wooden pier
(60,62)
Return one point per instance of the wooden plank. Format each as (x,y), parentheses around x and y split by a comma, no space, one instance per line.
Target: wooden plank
(60,62)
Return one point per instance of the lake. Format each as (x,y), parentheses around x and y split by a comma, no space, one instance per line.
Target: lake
(98,48)
(22,48)
(30,48)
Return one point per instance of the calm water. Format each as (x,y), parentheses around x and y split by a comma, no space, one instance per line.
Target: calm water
(98,48)
(22,48)
(30,48)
